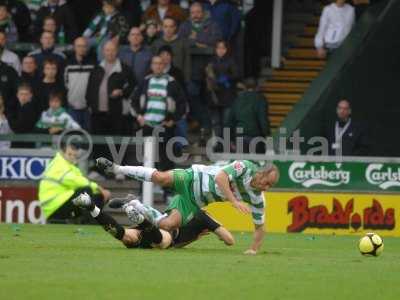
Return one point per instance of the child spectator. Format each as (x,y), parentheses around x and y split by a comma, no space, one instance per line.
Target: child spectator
(7,25)
(151,32)
(49,83)
(55,120)
(4,126)
(221,75)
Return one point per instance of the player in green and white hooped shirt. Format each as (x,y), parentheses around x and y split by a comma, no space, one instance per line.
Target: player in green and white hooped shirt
(240,182)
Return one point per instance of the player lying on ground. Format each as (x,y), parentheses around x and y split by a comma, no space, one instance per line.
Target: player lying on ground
(196,187)
(144,234)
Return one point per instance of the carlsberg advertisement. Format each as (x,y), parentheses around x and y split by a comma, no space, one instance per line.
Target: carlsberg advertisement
(346,176)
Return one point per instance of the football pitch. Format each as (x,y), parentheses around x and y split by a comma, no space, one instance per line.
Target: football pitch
(84,262)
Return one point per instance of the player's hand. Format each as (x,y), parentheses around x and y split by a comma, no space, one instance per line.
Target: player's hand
(106,194)
(250,252)
(321,53)
(242,207)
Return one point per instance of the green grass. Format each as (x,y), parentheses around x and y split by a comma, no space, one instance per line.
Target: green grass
(65,262)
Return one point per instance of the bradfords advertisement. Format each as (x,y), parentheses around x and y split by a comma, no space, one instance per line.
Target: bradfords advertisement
(19,205)
(346,176)
(22,167)
(320,213)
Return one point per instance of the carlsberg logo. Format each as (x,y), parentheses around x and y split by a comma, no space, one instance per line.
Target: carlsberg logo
(384,177)
(310,175)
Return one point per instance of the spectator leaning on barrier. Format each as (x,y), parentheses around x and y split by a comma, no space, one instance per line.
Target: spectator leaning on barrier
(8,87)
(248,118)
(109,24)
(137,56)
(202,33)
(180,46)
(221,76)
(63,181)
(49,83)
(48,51)
(335,24)
(7,24)
(109,83)
(8,56)
(27,113)
(77,73)
(64,16)
(4,126)
(159,102)
(163,9)
(55,119)
(347,136)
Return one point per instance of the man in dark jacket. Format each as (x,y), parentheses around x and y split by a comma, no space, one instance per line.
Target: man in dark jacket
(346,136)
(8,87)
(248,117)
(226,15)
(64,16)
(109,83)
(159,102)
(30,74)
(202,34)
(21,16)
(137,56)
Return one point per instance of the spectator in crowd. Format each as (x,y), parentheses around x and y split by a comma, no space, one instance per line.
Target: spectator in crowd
(335,24)
(8,56)
(4,126)
(163,9)
(159,101)
(48,51)
(30,74)
(7,24)
(180,47)
(202,33)
(346,136)
(167,55)
(34,6)
(221,75)
(26,115)
(50,83)
(49,25)
(256,46)
(21,17)
(136,55)
(226,15)
(55,119)
(64,16)
(109,24)
(152,32)
(109,83)
(132,11)
(63,181)
(77,73)
(8,88)
(248,118)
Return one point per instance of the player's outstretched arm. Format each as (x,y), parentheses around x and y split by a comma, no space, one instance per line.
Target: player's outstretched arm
(258,238)
(222,181)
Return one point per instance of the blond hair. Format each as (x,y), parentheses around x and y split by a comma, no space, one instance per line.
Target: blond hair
(268,168)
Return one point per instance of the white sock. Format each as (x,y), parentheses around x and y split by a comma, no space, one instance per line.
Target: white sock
(95,212)
(137,172)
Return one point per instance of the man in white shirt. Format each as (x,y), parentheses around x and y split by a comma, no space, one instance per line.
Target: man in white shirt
(8,57)
(336,22)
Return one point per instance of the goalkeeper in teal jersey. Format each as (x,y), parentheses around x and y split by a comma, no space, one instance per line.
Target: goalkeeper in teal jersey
(240,182)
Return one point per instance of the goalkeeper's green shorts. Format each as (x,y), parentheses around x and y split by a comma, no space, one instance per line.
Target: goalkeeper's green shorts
(184,200)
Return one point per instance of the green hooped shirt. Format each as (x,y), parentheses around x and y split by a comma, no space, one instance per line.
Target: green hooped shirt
(240,175)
